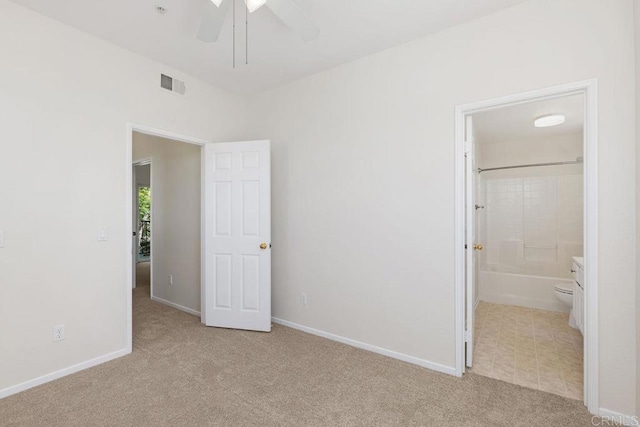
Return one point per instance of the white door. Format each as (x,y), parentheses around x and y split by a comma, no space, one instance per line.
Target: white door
(471,175)
(237,230)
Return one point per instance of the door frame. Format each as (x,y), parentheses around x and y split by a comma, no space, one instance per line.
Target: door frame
(136,214)
(472,177)
(147,130)
(588,88)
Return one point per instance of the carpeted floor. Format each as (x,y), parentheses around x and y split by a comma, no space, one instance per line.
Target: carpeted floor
(143,274)
(184,374)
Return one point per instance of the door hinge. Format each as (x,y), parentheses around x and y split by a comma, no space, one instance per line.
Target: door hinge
(467,336)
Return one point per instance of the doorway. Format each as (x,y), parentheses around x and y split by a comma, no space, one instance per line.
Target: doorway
(228,202)
(141,224)
(143,270)
(167,229)
(517,218)
(144,221)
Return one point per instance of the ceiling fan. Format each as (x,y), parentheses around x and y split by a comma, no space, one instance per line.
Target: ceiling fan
(288,11)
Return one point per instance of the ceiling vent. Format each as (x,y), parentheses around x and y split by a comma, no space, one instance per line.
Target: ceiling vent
(172,85)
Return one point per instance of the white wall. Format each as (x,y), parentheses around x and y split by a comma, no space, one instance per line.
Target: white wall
(363,177)
(65,99)
(175,240)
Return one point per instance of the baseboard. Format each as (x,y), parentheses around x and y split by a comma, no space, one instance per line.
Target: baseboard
(177,306)
(379,350)
(615,417)
(62,373)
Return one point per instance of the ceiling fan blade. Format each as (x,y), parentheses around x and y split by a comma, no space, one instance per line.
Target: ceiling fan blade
(289,13)
(212,21)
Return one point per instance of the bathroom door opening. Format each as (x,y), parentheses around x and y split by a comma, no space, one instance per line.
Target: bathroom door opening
(525,207)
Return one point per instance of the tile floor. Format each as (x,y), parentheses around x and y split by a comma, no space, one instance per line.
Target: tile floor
(532,348)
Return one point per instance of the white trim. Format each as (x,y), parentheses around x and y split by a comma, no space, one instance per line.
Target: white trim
(62,373)
(471,179)
(134,214)
(625,420)
(369,347)
(151,230)
(459,240)
(589,89)
(176,306)
(128,153)
(148,130)
(591,342)
(203,227)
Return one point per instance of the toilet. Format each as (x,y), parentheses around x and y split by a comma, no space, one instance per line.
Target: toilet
(564,292)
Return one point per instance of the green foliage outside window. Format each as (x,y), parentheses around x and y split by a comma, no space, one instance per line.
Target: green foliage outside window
(144,216)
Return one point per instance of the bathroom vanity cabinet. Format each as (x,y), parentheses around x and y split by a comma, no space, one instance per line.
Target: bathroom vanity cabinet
(578,292)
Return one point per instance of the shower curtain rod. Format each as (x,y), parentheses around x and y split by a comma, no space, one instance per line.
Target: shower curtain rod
(578,161)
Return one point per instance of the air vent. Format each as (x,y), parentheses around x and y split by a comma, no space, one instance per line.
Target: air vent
(172,85)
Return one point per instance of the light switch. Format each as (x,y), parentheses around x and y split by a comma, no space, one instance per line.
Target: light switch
(103,234)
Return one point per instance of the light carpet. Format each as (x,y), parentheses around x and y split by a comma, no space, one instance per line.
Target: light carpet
(143,274)
(184,374)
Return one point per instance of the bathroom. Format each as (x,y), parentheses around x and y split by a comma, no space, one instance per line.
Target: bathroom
(529,216)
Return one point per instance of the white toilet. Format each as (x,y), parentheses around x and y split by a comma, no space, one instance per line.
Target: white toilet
(564,292)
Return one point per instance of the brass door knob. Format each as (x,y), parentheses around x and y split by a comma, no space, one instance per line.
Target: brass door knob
(263,246)
(478,247)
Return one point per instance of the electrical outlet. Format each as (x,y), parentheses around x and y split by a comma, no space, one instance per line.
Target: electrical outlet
(58,333)
(170,279)
(303,298)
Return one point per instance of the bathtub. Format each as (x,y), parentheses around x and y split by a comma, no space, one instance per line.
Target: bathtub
(522,290)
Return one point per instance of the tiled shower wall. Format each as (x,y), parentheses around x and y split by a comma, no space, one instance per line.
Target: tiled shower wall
(532,224)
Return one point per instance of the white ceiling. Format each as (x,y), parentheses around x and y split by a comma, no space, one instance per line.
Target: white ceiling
(515,123)
(349,29)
